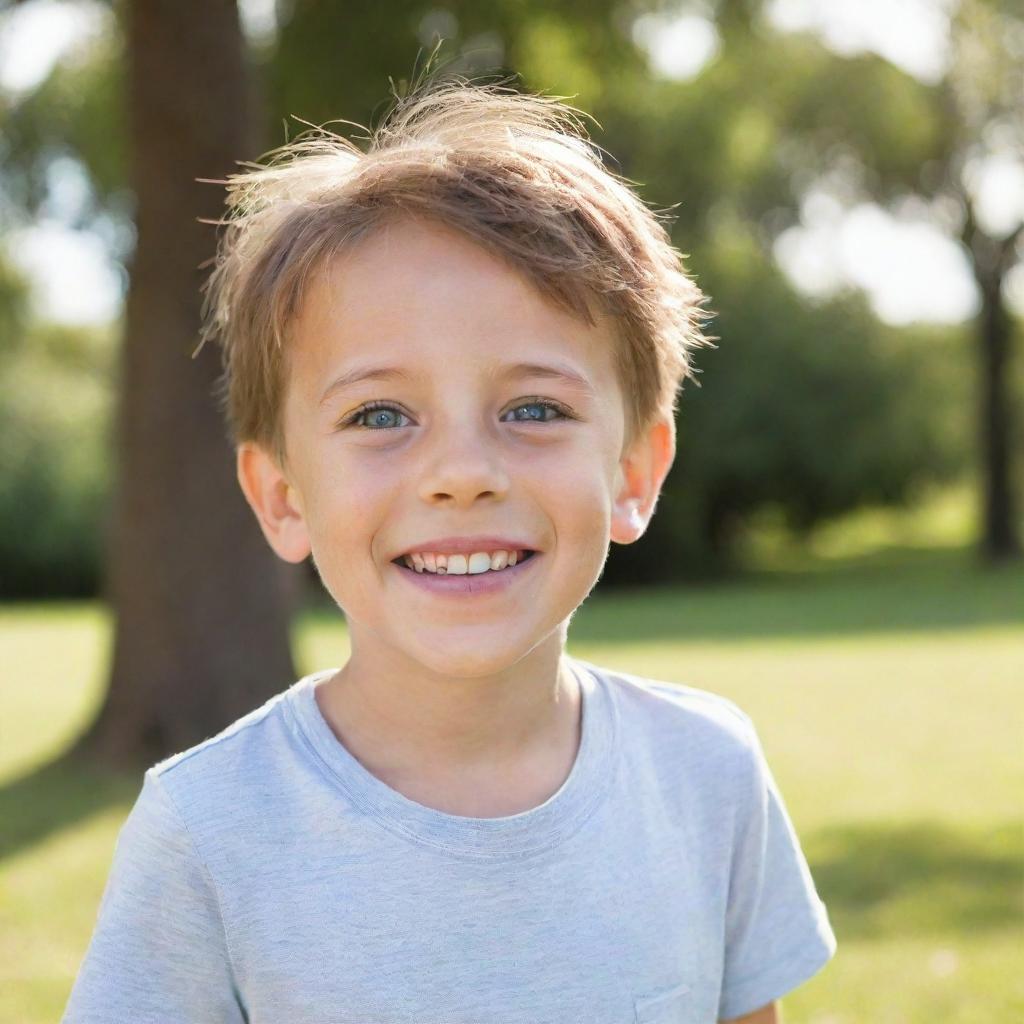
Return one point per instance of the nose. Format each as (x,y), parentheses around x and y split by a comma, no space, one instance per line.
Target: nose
(461,464)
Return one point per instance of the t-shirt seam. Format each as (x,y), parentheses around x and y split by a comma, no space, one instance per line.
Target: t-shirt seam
(209,876)
(705,696)
(162,767)
(397,828)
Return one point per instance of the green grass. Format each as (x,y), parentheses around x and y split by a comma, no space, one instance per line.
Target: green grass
(887,684)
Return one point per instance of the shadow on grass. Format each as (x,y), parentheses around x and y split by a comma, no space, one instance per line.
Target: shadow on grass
(882,879)
(57,796)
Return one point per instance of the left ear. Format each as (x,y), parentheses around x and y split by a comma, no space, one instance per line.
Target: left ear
(641,472)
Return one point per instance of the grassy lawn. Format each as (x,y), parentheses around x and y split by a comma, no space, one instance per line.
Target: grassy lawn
(887,683)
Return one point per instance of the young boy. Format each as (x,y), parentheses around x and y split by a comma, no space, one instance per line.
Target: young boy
(452,362)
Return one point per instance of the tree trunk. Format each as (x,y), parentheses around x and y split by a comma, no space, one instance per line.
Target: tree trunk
(1000,539)
(202,605)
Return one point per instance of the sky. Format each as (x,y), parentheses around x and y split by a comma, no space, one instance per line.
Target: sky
(908,265)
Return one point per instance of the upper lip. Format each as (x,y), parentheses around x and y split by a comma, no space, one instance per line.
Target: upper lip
(463,545)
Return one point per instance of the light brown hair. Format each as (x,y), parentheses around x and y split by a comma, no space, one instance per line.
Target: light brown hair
(516,172)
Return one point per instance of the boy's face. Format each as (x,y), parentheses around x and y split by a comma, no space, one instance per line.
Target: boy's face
(461,444)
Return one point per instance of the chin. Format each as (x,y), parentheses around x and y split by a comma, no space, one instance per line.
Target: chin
(467,664)
(473,655)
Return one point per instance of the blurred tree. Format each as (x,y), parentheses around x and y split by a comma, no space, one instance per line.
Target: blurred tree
(56,391)
(202,605)
(14,301)
(983,102)
(885,136)
(814,409)
(76,112)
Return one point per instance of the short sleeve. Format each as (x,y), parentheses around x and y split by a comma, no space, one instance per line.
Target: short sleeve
(777,932)
(158,950)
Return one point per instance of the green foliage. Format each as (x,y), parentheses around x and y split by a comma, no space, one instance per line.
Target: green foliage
(78,111)
(14,305)
(859,107)
(335,61)
(56,400)
(811,410)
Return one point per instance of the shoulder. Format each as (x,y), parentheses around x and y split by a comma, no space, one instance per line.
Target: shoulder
(675,706)
(224,745)
(218,779)
(239,732)
(691,732)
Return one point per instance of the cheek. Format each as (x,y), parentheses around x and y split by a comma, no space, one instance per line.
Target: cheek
(349,505)
(583,500)
(575,484)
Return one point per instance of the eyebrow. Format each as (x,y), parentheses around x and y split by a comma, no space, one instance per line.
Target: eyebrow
(560,372)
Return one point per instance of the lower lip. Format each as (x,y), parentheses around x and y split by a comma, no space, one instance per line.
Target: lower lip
(468,584)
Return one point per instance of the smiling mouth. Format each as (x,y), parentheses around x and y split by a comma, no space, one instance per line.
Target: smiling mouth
(527,555)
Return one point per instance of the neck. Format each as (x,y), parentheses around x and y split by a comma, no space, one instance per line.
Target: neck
(424,734)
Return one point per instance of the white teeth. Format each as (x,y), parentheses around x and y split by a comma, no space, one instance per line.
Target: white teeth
(460,564)
(457,565)
(479,562)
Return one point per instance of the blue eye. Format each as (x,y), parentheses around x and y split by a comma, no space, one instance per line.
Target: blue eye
(379,421)
(386,416)
(544,407)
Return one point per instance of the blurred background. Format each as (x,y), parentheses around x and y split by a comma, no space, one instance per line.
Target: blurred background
(838,547)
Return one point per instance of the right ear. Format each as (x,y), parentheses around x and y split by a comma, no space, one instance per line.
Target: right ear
(278,505)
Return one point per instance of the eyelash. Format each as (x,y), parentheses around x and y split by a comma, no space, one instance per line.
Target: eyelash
(352,420)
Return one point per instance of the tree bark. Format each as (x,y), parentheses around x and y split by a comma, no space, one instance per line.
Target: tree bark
(1000,539)
(991,260)
(202,604)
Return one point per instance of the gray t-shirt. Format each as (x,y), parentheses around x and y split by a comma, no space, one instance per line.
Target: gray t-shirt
(265,875)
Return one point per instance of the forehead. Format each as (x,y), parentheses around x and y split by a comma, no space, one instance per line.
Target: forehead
(429,298)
